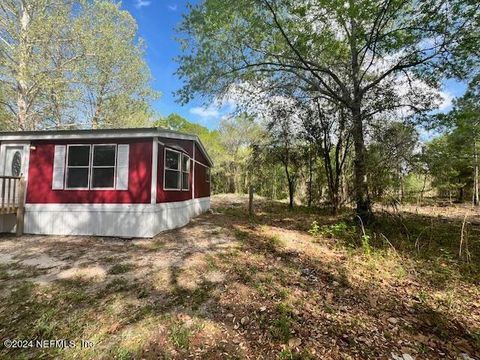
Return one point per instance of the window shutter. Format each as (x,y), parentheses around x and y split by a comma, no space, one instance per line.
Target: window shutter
(122,167)
(58,167)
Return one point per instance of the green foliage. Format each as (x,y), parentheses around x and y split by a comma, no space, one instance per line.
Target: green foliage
(120,269)
(70,64)
(274,47)
(281,328)
(390,158)
(453,157)
(314,229)
(180,336)
(365,238)
(340,230)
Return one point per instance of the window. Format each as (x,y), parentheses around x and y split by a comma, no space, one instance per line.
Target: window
(177,170)
(78,166)
(172,170)
(185,172)
(207,175)
(103,166)
(91,167)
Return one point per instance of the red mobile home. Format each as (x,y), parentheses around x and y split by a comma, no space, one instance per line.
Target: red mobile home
(113,182)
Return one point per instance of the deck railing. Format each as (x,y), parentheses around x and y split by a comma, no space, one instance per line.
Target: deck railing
(12,191)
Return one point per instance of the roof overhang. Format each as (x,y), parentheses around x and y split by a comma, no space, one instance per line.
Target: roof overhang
(101,134)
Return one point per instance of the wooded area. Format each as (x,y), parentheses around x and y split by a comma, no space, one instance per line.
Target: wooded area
(71,64)
(343,89)
(363,238)
(330,97)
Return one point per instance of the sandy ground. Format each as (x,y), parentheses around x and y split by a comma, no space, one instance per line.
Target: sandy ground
(237,287)
(70,257)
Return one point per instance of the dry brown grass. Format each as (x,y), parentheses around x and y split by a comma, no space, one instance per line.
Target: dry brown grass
(228,286)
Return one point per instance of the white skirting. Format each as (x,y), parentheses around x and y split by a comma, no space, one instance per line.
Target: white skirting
(122,220)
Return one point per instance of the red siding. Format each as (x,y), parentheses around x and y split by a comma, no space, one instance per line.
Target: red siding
(202,187)
(139,181)
(172,195)
(199,155)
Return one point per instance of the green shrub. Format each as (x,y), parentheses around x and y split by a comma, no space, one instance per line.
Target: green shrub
(314,229)
(366,244)
(180,336)
(339,230)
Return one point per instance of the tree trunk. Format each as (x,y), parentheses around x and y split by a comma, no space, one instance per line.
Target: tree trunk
(290,194)
(290,187)
(250,200)
(310,176)
(362,200)
(475,174)
(22,88)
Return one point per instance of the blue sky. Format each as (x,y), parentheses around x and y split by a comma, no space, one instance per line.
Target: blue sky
(157,20)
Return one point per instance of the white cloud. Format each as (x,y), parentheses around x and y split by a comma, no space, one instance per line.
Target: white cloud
(204,113)
(446,100)
(142,3)
(173,7)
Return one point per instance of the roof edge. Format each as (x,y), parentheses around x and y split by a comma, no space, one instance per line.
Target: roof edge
(102,133)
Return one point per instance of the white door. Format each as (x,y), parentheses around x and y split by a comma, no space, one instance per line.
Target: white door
(14,164)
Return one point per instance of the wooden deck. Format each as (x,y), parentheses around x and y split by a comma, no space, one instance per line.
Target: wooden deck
(12,190)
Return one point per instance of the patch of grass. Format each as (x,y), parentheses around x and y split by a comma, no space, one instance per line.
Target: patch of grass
(244,275)
(274,242)
(121,268)
(154,245)
(193,299)
(281,328)
(287,354)
(122,353)
(211,263)
(76,296)
(4,275)
(108,259)
(285,309)
(118,285)
(180,336)
(45,326)
(24,292)
(283,293)
(240,234)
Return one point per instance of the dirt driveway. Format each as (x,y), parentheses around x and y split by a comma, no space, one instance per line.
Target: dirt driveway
(45,259)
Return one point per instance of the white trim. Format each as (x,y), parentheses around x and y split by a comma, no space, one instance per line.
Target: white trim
(103,167)
(186,172)
(102,134)
(199,163)
(58,171)
(78,167)
(122,169)
(25,155)
(25,159)
(88,134)
(209,177)
(153,190)
(193,172)
(107,207)
(120,220)
(179,169)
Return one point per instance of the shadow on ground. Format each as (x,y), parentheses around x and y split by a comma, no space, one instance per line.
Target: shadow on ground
(228,286)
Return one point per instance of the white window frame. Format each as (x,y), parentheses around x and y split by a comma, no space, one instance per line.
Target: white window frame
(115,146)
(78,167)
(90,168)
(179,169)
(186,172)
